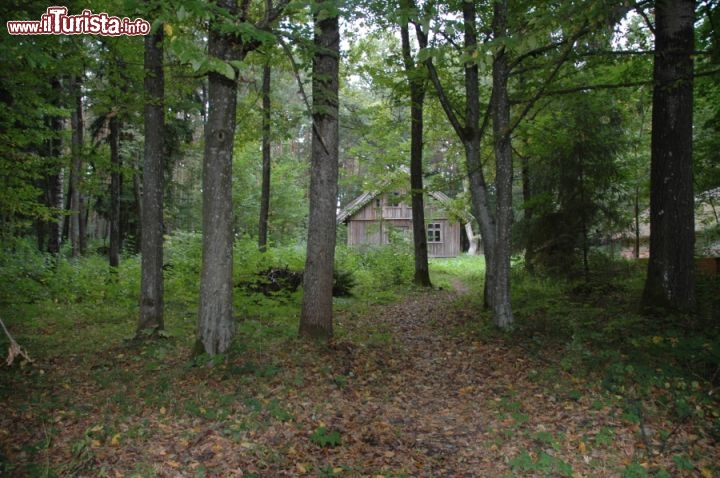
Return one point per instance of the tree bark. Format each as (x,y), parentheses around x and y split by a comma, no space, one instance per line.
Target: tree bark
(416,83)
(472,136)
(527,214)
(316,316)
(670,281)
(215,314)
(503,171)
(49,232)
(215,326)
(115,188)
(266,160)
(151,319)
(471,133)
(77,125)
(636,245)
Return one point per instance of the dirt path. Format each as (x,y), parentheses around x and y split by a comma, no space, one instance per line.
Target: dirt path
(446,404)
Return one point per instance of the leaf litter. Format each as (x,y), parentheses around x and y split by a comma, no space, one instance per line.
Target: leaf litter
(405,390)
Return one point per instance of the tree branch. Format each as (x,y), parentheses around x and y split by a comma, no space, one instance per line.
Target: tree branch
(551,77)
(14,350)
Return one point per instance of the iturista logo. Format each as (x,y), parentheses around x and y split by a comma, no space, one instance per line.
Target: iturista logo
(56,21)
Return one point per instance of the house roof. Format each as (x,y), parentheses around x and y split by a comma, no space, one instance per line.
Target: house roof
(364,199)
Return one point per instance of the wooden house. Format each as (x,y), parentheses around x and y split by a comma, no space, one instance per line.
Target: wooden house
(377,218)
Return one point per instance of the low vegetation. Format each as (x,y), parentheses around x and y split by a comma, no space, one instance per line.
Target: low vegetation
(415,383)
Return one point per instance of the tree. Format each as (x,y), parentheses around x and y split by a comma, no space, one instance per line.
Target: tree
(416,83)
(576,144)
(77,208)
(470,131)
(151,211)
(226,47)
(215,320)
(316,315)
(49,230)
(503,169)
(670,281)
(115,189)
(266,159)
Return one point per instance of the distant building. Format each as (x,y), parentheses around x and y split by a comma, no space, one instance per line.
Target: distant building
(707,228)
(377,218)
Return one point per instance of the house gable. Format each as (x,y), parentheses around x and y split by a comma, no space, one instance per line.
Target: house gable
(376,218)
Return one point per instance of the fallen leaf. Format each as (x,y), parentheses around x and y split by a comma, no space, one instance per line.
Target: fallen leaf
(582,447)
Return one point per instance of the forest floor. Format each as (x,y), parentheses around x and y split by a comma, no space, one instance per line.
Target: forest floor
(407,389)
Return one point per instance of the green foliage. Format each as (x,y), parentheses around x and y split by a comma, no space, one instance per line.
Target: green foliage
(343,283)
(388,265)
(288,203)
(542,464)
(573,180)
(325,437)
(635,470)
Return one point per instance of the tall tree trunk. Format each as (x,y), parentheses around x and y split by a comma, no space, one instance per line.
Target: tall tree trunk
(115,188)
(636,247)
(215,314)
(266,160)
(670,281)
(77,125)
(49,232)
(215,326)
(151,210)
(316,316)
(471,133)
(527,213)
(472,136)
(416,82)
(503,171)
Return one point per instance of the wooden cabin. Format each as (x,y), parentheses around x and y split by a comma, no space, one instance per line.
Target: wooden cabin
(376,218)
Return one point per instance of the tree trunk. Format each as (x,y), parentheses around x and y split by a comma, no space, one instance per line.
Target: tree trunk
(151,203)
(77,125)
(215,314)
(472,240)
(416,82)
(503,172)
(670,281)
(479,195)
(266,161)
(49,232)
(470,133)
(316,316)
(115,188)
(636,248)
(527,214)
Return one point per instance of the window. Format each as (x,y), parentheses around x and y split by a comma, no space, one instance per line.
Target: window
(433,233)
(394,199)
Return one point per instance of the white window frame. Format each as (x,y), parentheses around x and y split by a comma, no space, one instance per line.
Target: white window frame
(434,233)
